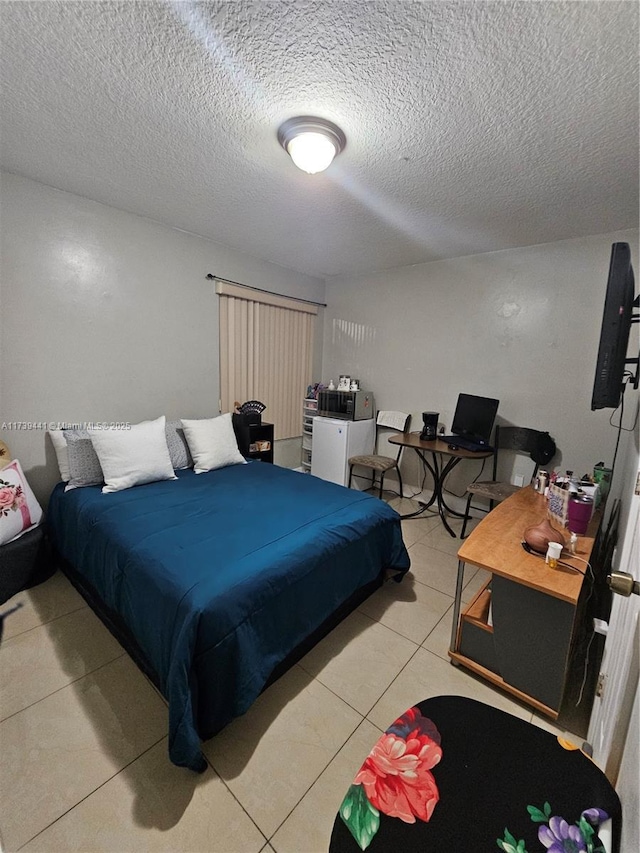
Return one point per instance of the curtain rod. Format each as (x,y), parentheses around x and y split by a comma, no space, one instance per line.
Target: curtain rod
(211,276)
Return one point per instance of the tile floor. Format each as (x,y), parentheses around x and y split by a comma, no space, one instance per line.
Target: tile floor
(83,747)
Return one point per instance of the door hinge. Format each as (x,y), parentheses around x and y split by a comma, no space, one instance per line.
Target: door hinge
(600,684)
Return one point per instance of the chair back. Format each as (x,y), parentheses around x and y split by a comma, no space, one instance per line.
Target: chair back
(392,422)
(539,445)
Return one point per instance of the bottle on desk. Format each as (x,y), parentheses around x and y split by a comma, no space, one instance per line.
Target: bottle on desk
(541,482)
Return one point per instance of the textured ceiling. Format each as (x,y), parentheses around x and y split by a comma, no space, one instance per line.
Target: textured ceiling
(471,126)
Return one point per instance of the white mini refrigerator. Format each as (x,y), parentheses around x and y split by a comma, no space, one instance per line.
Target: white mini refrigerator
(334,442)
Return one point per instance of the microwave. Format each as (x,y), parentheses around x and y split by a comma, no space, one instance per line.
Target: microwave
(348,405)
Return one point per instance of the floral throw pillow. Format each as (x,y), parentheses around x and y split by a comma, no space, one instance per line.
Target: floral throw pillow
(19,509)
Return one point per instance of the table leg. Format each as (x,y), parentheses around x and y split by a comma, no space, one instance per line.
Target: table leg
(434,470)
(439,485)
(439,476)
(456,605)
(445,473)
(421,511)
(435,473)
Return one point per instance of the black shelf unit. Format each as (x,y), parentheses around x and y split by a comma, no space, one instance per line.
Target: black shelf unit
(251,436)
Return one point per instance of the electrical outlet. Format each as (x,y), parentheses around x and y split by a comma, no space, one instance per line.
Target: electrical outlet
(518,480)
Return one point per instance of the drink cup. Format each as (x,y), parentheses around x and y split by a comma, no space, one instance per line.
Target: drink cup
(579,514)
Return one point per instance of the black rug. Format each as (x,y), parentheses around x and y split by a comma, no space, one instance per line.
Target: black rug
(453,774)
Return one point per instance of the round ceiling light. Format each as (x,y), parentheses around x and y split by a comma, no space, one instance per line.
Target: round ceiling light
(311,142)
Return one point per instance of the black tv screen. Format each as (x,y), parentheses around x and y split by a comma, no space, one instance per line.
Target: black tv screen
(474,417)
(615,330)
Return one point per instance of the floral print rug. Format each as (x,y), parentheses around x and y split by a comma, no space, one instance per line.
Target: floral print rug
(453,774)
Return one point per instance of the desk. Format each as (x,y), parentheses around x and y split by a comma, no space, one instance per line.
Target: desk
(518,631)
(439,470)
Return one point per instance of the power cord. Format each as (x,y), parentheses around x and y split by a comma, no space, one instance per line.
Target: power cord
(590,576)
(629,378)
(619,426)
(475,480)
(586,669)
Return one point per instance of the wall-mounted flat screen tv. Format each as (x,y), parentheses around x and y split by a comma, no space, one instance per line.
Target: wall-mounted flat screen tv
(615,330)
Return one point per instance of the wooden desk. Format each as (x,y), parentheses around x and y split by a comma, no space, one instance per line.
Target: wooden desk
(439,471)
(525,647)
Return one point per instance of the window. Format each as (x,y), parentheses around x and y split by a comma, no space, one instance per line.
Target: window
(266,349)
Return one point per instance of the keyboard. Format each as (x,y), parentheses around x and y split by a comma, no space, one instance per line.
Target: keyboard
(465,443)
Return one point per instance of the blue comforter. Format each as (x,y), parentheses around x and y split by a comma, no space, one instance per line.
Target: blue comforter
(220,575)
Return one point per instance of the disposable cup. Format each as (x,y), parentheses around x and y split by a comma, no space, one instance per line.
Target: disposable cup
(554,549)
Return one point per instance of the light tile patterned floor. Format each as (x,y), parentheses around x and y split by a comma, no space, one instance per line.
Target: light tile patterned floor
(83,747)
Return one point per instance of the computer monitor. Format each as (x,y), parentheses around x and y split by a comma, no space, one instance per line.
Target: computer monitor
(474,417)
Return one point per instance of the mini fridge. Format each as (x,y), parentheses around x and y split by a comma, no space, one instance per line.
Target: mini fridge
(334,442)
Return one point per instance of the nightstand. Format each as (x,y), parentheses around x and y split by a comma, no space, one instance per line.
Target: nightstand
(255,441)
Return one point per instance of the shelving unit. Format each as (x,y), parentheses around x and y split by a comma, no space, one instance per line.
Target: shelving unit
(255,441)
(309,411)
(475,639)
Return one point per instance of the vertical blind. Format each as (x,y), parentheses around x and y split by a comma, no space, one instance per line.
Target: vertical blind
(266,351)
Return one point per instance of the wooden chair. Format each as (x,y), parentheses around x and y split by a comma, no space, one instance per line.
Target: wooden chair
(540,448)
(375,462)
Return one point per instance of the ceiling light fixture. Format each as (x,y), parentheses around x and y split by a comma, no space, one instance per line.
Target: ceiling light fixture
(311,142)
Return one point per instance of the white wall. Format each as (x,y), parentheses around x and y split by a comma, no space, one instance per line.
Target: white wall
(520,325)
(108,316)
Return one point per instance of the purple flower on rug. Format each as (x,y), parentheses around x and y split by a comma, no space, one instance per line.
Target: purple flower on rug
(595,816)
(559,837)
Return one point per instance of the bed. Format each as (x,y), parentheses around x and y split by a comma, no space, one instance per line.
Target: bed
(214,581)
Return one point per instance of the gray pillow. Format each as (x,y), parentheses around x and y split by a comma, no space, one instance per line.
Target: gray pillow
(177,444)
(84,465)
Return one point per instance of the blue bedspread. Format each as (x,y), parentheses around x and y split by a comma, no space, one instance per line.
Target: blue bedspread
(220,575)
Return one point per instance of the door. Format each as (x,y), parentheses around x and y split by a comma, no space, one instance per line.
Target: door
(361,438)
(613,730)
(619,668)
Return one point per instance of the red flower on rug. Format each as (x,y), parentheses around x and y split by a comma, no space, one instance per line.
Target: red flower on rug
(396,775)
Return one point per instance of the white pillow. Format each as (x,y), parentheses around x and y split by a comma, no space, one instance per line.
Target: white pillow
(19,509)
(212,443)
(60,446)
(131,457)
